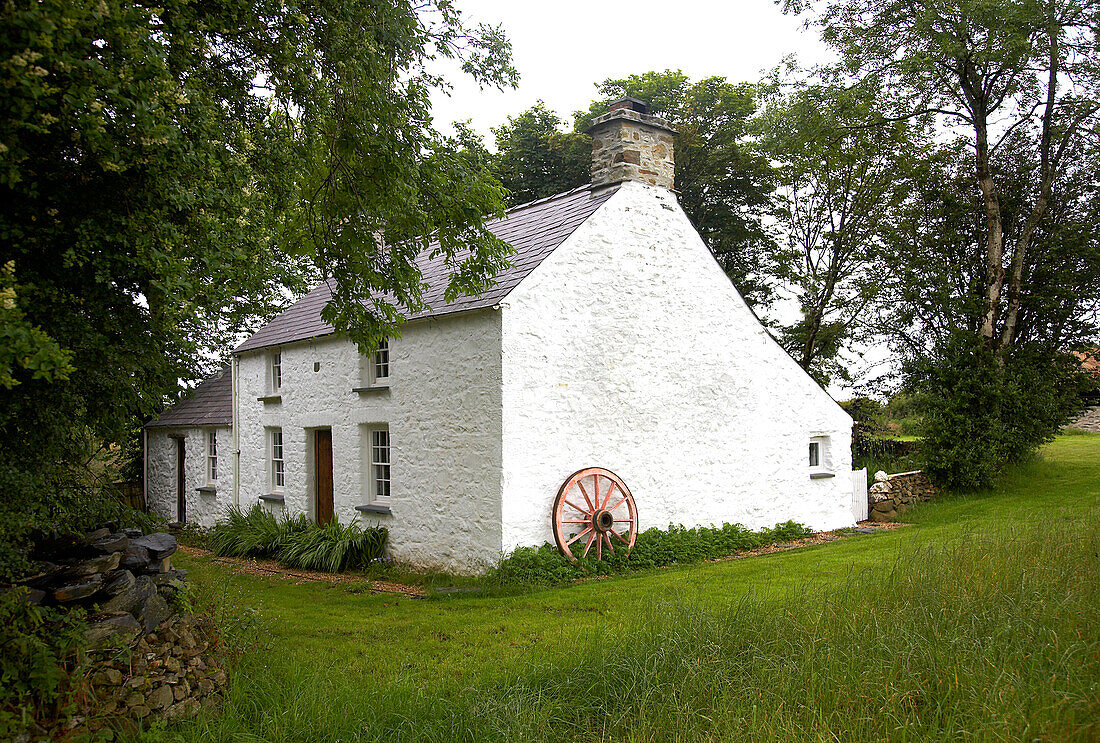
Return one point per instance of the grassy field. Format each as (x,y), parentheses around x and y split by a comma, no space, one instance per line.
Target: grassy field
(979,622)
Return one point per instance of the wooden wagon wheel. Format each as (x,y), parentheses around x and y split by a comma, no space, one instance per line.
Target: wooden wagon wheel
(594,508)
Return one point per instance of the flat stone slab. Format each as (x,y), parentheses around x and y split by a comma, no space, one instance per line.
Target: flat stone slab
(159,544)
(111,543)
(93,565)
(118,582)
(79,590)
(135,557)
(867,530)
(134,597)
(120,625)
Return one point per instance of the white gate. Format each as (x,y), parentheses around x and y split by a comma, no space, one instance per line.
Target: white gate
(859,494)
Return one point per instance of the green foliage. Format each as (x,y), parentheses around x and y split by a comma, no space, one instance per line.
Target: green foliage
(296,541)
(653,548)
(38,660)
(333,548)
(723,182)
(535,159)
(982,413)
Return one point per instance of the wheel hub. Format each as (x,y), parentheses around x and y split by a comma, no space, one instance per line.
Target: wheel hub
(603,520)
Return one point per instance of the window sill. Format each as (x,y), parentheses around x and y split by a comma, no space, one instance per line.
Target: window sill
(272,497)
(373,388)
(265,399)
(208,490)
(374,508)
(821,475)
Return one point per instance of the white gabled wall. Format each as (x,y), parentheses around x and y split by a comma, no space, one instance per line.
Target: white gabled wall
(628,348)
(203,508)
(443,413)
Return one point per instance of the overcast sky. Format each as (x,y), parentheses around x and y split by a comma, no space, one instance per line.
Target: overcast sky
(563,48)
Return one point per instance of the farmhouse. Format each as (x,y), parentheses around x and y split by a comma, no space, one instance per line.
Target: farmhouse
(614,341)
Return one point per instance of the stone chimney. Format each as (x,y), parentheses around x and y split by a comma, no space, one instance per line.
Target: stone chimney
(631,144)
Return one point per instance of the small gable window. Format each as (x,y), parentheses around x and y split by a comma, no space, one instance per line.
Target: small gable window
(821,461)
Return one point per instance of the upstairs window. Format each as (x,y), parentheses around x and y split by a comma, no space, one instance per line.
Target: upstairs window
(815,454)
(211,456)
(275,371)
(278,470)
(381,362)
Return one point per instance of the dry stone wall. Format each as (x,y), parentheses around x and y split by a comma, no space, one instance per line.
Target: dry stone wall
(894,494)
(145,659)
(1088,420)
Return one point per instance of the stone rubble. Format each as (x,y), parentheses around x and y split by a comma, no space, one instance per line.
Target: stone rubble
(895,494)
(1088,420)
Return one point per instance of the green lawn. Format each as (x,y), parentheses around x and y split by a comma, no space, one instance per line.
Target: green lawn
(628,658)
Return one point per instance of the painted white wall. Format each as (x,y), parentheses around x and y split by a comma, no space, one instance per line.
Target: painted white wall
(160,486)
(443,413)
(629,349)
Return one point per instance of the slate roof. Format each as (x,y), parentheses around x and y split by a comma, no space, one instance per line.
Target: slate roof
(534,230)
(209,404)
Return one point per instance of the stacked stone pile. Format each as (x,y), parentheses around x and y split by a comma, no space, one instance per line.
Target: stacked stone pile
(894,494)
(124,578)
(146,660)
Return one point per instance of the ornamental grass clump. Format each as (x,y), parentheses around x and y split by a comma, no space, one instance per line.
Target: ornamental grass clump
(333,547)
(255,532)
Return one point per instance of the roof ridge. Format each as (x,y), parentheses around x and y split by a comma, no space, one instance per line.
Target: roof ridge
(526,204)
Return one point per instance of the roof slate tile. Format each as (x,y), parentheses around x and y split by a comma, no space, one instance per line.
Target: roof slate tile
(534,230)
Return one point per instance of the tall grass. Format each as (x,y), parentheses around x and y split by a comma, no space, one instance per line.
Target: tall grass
(253,533)
(296,541)
(332,547)
(995,636)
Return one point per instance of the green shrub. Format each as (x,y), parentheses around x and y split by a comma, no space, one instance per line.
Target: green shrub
(333,548)
(653,548)
(38,657)
(982,413)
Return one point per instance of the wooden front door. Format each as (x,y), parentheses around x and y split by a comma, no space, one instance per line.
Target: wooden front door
(181,493)
(322,458)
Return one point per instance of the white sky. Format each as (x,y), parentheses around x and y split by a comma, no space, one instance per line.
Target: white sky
(563,48)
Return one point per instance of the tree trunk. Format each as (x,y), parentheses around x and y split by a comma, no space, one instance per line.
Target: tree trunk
(994,246)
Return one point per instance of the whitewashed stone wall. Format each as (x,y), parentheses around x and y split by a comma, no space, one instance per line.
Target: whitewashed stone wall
(203,508)
(628,348)
(443,412)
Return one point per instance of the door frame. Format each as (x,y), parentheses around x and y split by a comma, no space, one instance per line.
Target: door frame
(322,476)
(181,478)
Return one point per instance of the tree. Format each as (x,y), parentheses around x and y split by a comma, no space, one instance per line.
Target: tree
(170,171)
(536,159)
(841,172)
(1019,79)
(997,68)
(722,182)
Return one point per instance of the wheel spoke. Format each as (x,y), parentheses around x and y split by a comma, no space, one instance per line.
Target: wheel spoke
(578,536)
(624,521)
(588,544)
(599,547)
(574,521)
(591,508)
(610,547)
(620,536)
(617,504)
(607,497)
(587,513)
